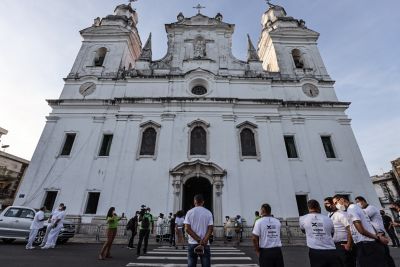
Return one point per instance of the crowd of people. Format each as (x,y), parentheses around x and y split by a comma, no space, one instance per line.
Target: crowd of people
(353,234)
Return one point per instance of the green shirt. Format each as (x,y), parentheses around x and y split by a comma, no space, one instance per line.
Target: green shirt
(150,217)
(113,222)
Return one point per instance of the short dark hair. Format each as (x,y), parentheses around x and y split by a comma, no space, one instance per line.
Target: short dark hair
(360,198)
(340,196)
(313,204)
(199,198)
(267,208)
(329,199)
(257,213)
(43,208)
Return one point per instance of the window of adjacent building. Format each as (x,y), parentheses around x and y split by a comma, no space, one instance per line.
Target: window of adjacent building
(198,141)
(68,143)
(291,147)
(92,203)
(50,199)
(105,145)
(302,204)
(248,143)
(328,147)
(149,139)
(297,58)
(100,56)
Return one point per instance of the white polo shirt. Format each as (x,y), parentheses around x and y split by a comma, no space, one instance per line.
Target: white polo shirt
(355,213)
(268,229)
(376,218)
(319,230)
(199,219)
(37,222)
(340,222)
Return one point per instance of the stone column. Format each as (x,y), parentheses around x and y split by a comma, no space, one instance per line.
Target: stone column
(177,187)
(217,205)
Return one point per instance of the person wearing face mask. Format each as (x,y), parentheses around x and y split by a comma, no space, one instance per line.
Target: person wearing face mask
(377,222)
(369,244)
(319,231)
(342,236)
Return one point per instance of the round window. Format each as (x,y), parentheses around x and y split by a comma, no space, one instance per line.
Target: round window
(199,90)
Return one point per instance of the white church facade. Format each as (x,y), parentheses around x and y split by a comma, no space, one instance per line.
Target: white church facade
(130,130)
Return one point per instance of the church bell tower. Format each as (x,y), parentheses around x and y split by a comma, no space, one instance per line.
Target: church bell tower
(109,45)
(289,47)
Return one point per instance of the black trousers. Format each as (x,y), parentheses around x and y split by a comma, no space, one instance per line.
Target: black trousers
(371,254)
(325,258)
(143,235)
(133,234)
(271,257)
(389,260)
(392,234)
(348,258)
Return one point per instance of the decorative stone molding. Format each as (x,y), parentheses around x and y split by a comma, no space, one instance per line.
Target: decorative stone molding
(229,117)
(252,127)
(168,117)
(298,120)
(208,170)
(205,125)
(99,119)
(52,118)
(344,121)
(143,127)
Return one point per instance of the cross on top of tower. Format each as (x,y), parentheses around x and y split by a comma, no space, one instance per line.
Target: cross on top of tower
(199,8)
(269,3)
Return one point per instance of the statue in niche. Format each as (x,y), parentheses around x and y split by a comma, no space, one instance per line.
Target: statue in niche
(199,48)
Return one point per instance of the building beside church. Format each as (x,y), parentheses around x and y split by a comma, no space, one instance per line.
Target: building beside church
(129,130)
(387,187)
(12,170)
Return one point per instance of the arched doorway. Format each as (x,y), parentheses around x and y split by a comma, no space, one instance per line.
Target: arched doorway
(190,178)
(194,186)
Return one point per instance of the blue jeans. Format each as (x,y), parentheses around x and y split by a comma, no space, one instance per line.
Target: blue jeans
(192,257)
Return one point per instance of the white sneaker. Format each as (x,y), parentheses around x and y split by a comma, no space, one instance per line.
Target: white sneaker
(29,247)
(45,247)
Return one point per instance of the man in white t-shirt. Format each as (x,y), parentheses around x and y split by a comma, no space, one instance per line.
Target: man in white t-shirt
(375,217)
(342,236)
(370,251)
(319,231)
(267,239)
(36,225)
(199,226)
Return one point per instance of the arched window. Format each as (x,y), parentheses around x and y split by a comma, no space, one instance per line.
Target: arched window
(248,143)
(297,58)
(198,141)
(100,56)
(149,139)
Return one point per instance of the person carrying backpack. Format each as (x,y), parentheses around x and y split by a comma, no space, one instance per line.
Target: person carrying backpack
(146,226)
(132,227)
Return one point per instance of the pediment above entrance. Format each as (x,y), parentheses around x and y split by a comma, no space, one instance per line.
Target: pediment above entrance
(198,168)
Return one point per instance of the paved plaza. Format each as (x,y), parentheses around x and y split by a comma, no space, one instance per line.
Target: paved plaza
(76,255)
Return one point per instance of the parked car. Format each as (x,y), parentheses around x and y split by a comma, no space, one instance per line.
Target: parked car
(16,220)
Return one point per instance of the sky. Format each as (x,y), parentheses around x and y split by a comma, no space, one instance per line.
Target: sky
(359,45)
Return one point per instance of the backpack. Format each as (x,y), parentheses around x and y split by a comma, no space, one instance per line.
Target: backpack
(145,222)
(129,225)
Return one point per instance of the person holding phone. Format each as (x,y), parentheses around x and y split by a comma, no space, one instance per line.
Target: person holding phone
(112,225)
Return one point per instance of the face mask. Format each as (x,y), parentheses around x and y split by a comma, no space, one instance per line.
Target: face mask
(359,204)
(340,207)
(328,208)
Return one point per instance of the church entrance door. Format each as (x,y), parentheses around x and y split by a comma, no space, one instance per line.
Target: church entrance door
(194,186)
